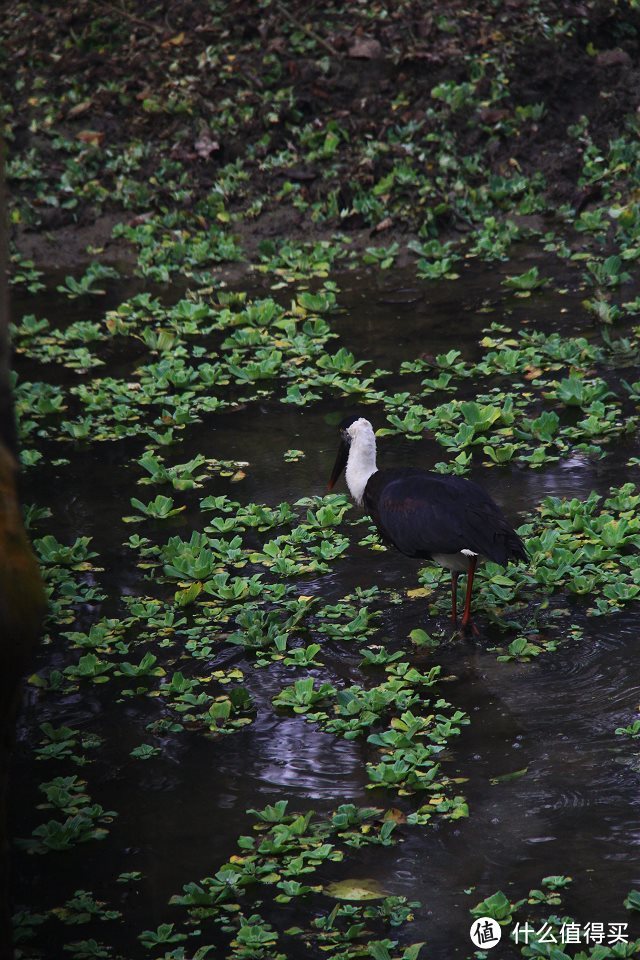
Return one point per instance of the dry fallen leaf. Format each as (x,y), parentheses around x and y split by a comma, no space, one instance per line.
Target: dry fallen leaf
(393,813)
(174,41)
(383,225)
(613,58)
(92,137)
(205,146)
(80,108)
(365,49)
(141,218)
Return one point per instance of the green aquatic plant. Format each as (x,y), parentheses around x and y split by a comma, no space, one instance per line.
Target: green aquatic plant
(384,257)
(51,551)
(632,730)
(524,283)
(56,835)
(83,907)
(161,508)
(86,283)
(606,273)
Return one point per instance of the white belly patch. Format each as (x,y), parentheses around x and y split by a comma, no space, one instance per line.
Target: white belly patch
(458,562)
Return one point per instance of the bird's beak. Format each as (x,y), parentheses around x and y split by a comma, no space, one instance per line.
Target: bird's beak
(340,464)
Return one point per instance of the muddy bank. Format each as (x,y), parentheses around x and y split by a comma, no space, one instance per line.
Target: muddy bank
(121,114)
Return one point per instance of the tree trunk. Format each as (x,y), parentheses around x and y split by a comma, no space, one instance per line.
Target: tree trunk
(22,599)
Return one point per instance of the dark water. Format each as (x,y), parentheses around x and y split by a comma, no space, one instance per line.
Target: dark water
(575,811)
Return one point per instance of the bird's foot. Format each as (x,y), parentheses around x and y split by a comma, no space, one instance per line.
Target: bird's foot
(468,628)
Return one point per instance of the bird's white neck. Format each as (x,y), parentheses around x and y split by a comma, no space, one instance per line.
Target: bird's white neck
(361,463)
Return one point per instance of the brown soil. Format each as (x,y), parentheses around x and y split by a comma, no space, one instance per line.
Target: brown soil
(360,64)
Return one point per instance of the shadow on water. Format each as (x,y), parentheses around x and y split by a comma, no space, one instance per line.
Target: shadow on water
(573,805)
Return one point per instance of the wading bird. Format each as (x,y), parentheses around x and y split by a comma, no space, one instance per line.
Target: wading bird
(449,520)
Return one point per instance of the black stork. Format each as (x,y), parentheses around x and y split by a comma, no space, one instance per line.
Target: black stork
(432,516)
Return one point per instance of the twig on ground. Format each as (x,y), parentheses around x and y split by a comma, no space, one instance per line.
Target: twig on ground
(306,29)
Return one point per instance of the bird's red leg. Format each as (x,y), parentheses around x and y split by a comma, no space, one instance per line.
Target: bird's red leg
(454,596)
(466,616)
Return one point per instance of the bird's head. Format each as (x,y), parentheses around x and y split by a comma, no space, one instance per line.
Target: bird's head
(349,429)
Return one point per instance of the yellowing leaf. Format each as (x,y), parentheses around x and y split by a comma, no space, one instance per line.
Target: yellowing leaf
(365,889)
(184,597)
(174,41)
(395,814)
(36,680)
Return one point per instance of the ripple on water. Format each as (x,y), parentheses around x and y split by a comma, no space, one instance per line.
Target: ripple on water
(583,691)
(293,754)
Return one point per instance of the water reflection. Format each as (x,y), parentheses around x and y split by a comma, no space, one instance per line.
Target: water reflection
(573,804)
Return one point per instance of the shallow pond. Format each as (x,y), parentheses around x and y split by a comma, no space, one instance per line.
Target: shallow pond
(571,806)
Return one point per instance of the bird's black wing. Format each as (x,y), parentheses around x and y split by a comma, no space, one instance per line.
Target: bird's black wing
(424,514)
